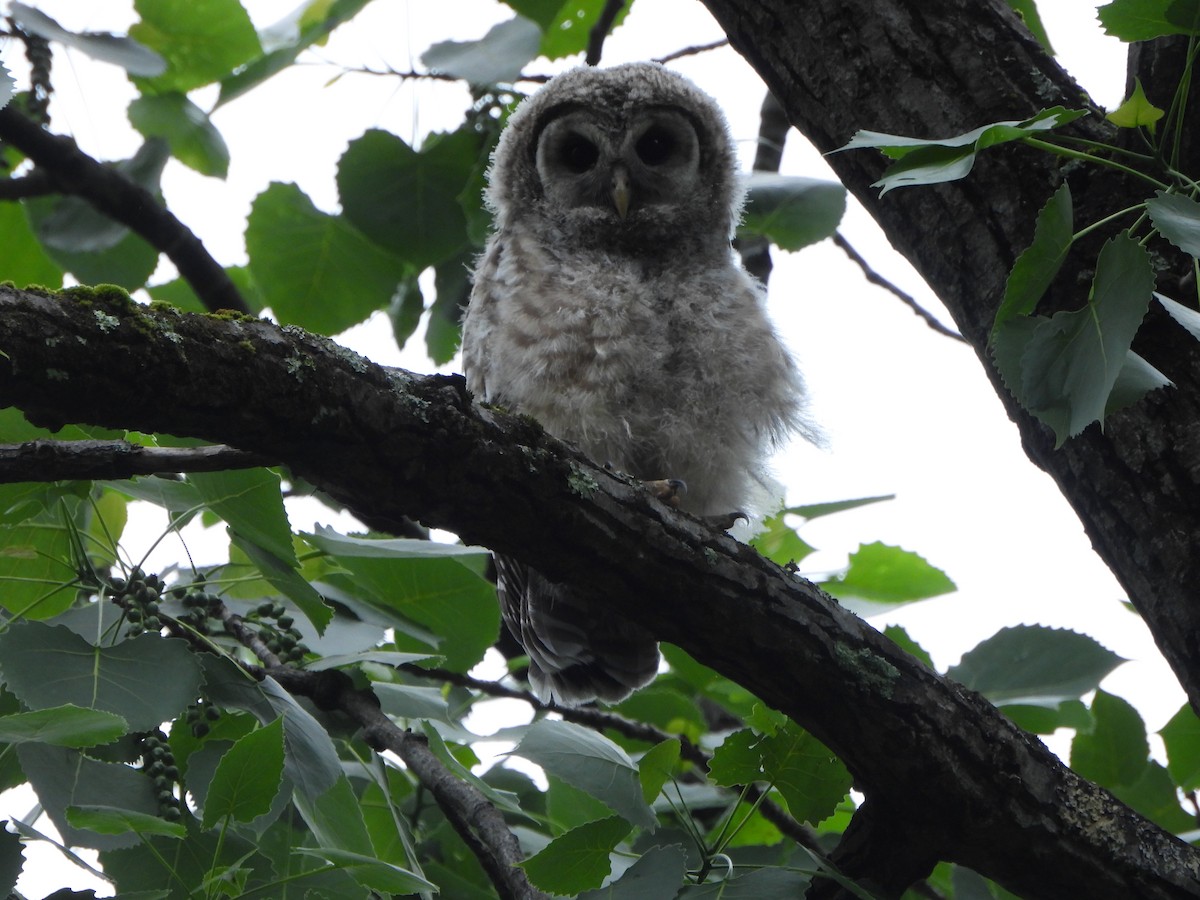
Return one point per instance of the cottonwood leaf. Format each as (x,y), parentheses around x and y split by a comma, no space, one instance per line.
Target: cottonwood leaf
(371,872)
(1136,111)
(201,40)
(193,138)
(1185,316)
(49,665)
(316,270)
(497,57)
(590,762)
(63,726)
(110,820)
(1144,20)
(811,779)
(247,778)
(1178,220)
(658,873)
(133,57)
(931,161)
(1036,267)
(1071,361)
(655,767)
(1034,665)
(577,860)
(790,211)
(1181,736)
(1115,752)
(879,573)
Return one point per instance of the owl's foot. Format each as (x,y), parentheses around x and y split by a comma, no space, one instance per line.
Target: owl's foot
(669,490)
(725,521)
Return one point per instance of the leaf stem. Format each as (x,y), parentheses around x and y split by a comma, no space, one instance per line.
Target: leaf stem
(1057,150)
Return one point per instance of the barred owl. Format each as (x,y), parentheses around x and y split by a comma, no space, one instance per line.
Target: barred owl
(609,305)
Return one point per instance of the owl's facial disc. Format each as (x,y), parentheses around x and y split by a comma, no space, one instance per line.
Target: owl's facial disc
(649,160)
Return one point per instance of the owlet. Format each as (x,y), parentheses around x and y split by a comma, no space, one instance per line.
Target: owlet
(610,306)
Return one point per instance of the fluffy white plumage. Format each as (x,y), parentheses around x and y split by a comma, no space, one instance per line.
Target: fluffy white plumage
(610,306)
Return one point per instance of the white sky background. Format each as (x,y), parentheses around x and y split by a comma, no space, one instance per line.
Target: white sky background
(907,411)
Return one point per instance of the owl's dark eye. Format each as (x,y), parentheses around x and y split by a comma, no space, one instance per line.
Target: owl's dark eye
(655,146)
(577,153)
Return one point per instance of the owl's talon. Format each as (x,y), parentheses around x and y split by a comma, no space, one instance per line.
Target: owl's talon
(668,490)
(725,521)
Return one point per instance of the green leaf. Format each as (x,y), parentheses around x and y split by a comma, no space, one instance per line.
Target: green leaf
(921,161)
(882,574)
(336,818)
(49,665)
(371,872)
(36,568)
(568,33)
(1144,20)
(496,58)
(452,282)
(66,778)
(1181,736)
(111,48)
(110,820)
(193,138)
(793,212)
(588,761)
(577,860)
(63,726)
(756,885)
(201,40)
(1178,220)
(408,701)
(407,201)
(1028,11)
(902,640)
(316,270)
(309,23)
(1071,361)
(1185,316)
(543,12)
(438,586)
(247,778)
(311,761)
(1048,719)
(1155,796)
(655,767)
(811,779)
(817,510)
(1136,379)
(25,261)
(1115,751)
(738,760)
(1036,267)
(251,502)
(1034,665)
(284,576)
(1137,111)
(658,873)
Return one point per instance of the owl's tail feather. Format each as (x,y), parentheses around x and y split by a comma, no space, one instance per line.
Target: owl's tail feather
(578,651)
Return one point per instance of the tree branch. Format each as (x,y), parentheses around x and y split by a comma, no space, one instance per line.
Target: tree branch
(388,443)
(72,171)
(599,32)
(83,460)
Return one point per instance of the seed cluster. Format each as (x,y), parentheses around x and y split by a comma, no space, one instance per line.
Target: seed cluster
(159,763)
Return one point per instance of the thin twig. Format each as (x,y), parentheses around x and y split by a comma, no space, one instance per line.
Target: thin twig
(599,32)
(875,278)
(691,51)
(46,460)
(74,172)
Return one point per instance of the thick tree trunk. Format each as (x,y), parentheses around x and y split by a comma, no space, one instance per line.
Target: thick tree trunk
(932,68)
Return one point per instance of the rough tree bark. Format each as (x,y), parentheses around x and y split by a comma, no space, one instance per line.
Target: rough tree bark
(946,776)
(933,68)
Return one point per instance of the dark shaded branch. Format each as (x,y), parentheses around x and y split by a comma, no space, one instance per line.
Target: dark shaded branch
(74,172)
(599,33)
(36,184)
(906,298)
(773,126)
(477,822)
(638,731)
(83,460)
(473,817)
(389,444)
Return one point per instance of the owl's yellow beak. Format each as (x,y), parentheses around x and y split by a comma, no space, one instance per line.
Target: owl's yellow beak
(622,192)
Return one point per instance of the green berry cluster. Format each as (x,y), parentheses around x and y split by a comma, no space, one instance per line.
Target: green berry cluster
(159,763)
(139,595)
(200,716)
(198,604)
(278,631)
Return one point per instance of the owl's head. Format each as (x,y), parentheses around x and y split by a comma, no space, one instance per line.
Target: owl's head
(628,157)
